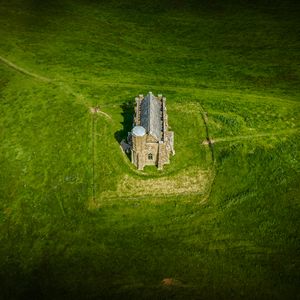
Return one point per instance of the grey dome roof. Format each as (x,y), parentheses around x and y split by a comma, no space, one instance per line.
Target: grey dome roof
(138,131)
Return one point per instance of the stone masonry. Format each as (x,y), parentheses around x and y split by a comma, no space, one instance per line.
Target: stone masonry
(150,141)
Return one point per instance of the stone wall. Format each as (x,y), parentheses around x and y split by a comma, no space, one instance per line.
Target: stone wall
(137,152)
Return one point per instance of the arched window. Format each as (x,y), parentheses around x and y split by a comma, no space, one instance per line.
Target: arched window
(150,156)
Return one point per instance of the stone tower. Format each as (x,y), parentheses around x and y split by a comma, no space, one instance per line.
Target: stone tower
(138,137)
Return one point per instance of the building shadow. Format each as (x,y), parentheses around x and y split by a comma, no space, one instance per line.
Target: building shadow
(127,113)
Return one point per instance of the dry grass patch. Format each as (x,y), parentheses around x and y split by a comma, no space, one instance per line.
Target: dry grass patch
(189,107)
(189,181)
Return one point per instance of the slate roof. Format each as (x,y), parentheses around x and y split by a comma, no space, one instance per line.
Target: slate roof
(151,115)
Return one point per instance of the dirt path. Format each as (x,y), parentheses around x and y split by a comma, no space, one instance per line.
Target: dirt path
(66,87)
(208,138)
(21,70)
(258,135)
(96,110)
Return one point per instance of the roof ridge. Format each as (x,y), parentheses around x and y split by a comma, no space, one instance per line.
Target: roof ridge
(149,110)
(151,115)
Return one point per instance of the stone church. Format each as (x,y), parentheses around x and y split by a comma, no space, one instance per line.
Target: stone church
(151,143)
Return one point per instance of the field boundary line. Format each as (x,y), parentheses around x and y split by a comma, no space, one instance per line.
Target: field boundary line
(150,197)
(93,157)
(23,71)
(253,96)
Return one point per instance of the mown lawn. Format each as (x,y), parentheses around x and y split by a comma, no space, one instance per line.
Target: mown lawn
(66,230)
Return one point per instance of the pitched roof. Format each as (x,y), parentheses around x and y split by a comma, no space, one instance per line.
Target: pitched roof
(151,115)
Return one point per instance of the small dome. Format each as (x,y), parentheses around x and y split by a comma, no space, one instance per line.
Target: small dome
(138,131)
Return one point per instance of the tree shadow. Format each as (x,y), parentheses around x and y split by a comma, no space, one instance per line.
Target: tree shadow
(127,113)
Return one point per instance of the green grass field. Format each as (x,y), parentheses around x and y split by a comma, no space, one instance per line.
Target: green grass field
(78,221)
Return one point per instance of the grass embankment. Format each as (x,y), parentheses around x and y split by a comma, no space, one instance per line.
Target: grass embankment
(72,224)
